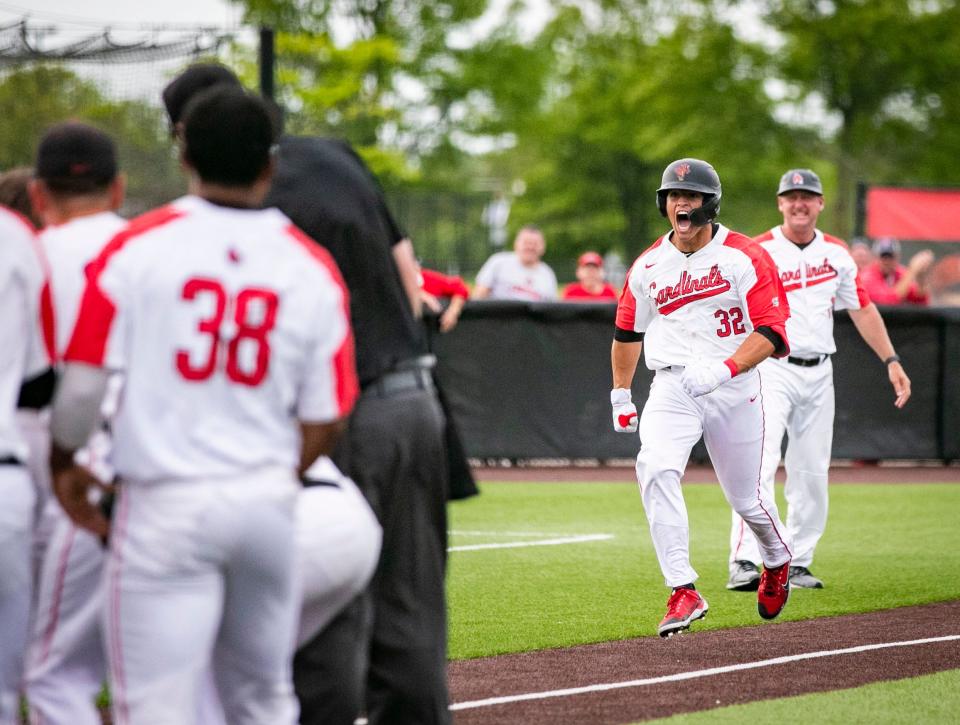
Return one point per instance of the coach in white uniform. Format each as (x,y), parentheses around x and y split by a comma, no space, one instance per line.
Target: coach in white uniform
(212,308)
(819,276)
(23,355)
(709,307)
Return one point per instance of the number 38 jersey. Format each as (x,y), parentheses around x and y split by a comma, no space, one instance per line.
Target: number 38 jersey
(701,307)
(230,325)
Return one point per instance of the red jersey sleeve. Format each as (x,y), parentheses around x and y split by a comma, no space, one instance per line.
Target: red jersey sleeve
(88,343)
(441,285)
(627,305)
(766,299)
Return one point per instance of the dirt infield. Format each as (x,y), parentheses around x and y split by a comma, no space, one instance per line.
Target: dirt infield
(679,661)
(886,473)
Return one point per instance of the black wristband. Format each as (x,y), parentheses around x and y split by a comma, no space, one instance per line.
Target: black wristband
(621,335)
(892,359)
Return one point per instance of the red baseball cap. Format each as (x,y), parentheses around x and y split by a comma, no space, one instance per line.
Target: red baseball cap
(590,258)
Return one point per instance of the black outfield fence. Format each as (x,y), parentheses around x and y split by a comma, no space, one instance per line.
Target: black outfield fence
(533,381)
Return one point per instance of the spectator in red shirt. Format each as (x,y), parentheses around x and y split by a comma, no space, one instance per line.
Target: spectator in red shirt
(590,285)
(433,286)
(890,283)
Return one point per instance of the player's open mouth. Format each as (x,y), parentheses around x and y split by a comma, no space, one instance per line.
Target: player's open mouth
(683,221)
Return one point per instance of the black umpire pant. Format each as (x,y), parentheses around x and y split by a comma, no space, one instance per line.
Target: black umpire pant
(392,640)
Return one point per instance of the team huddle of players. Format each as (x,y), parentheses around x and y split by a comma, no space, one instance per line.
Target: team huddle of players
(205,359)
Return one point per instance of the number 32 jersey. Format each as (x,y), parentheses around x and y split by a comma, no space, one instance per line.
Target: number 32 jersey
(701,307)
(230,326)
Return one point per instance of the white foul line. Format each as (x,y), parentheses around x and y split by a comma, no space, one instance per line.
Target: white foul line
(541,542)
(692,675)
(466,532)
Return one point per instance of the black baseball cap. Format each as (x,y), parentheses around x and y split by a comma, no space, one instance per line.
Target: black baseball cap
(886,247)
(74,157)
(194,79)
(800,180)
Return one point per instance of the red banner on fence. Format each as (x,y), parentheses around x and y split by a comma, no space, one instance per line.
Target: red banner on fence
(928,215)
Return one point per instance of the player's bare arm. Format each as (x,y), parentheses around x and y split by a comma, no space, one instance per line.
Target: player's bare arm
(872,329)
(409,270)
(76,412)
(754,350)
(318,439)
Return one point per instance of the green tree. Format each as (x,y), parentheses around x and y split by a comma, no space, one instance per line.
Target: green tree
(34,97)
(888,74)
(623,103)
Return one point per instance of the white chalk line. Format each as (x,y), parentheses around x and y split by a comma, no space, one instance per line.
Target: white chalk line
(541,542)
(532,534)
(694,674)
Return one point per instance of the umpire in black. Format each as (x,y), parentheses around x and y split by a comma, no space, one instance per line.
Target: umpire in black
(394,635)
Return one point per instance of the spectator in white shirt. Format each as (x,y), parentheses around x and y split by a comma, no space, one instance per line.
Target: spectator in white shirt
(520,274)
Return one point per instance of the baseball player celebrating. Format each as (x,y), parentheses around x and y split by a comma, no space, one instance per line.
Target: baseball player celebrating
(230,327)
(709,306)
(76,192)
(819,276)
(23,355)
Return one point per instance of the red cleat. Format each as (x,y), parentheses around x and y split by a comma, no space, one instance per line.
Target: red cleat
(684,607)
(774,590)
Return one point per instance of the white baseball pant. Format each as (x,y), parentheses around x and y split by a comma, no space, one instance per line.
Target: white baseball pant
(34,429)
(731,421)
(201,575)
(338,546)
(798,401)
(16,524)
(65,665)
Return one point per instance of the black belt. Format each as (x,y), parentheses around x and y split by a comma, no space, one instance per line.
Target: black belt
(10,461)
(808,362)
(312,482)
(411,375)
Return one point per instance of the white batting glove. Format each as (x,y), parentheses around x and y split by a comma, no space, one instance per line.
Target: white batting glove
(624,411)
(704,378)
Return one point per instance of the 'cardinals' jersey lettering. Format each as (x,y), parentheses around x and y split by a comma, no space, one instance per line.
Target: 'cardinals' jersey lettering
(702,306)
(23,353)
(230,325)
(819,277)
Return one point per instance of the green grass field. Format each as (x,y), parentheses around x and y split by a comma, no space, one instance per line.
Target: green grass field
(928,699)
(886,546)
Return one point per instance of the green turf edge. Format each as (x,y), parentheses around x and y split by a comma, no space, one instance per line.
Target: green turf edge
(927,699)
(872,541)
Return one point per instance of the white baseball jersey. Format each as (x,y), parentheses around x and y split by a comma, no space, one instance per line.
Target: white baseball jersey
(23,353)
(819,277)
(702,307)
(508,279)
(69,249)
(224,350)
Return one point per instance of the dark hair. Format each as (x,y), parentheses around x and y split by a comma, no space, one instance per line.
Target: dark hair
(13,192)
(74,158)
(227,135)
(192,81)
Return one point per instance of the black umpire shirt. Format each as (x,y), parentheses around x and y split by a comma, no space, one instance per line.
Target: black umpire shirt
(327,191)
